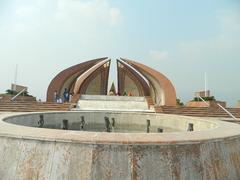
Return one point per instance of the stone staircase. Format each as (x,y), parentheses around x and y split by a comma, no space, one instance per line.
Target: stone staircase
(149,101)
(198,111)
(23,106)
(151,104)
(113,103)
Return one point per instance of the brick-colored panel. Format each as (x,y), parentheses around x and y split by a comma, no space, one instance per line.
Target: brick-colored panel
(97,82)
(76,70)
(168,90)
(129,80)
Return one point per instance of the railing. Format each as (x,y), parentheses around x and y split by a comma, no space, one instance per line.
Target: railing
(18,94)
(203,100)
(230,114)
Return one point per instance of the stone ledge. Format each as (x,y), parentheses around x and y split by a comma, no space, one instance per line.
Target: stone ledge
(220,131)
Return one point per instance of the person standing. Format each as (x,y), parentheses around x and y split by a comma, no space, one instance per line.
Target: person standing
(55,96)
(66,95)
(129,93)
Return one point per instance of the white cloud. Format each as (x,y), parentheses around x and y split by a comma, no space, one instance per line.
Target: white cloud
(26,18)
(66,15)
(229,20)
(26,11)
(158,55)
(19,28)
(66,31)
(115,16)
(221,47)
(87,13)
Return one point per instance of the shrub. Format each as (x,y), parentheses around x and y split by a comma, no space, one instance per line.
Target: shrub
(211,98)
(12,92)
(179,103)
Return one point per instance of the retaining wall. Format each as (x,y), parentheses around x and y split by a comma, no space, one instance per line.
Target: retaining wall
(40,153)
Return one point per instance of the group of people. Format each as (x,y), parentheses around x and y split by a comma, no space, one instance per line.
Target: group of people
(111,93)
(66,96)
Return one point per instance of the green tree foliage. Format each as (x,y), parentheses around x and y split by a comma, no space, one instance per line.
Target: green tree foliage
(211,98)
(12,92)
(179,103)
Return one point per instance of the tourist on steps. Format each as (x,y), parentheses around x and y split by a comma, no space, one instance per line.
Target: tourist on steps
(65,95)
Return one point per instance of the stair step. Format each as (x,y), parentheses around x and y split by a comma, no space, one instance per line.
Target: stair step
(199,111)
(32,106)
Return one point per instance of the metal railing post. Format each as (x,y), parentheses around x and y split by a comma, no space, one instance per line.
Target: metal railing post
(18,94)
(230,114)
(203,101)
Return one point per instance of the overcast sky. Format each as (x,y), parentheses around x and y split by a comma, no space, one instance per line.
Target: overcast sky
(182,39)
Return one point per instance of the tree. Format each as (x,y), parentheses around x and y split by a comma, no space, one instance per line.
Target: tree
(179,103)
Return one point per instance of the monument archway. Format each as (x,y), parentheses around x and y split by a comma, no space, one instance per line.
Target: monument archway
(91,78)
(87,77)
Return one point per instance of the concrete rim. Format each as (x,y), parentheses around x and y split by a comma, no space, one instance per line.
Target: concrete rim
(223,130)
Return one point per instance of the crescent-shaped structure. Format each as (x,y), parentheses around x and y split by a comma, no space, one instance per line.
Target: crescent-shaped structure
(90,77)
(149,82)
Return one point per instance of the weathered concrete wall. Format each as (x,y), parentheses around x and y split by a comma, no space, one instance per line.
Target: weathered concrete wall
(127,121)
(33,159)
(34,153)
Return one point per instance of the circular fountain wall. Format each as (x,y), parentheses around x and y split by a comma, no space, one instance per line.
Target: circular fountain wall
(111,145)
(116,122)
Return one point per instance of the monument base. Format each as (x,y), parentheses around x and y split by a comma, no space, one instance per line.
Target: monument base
(113,103)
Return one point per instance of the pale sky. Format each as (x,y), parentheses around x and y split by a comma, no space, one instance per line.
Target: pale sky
(182,39)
